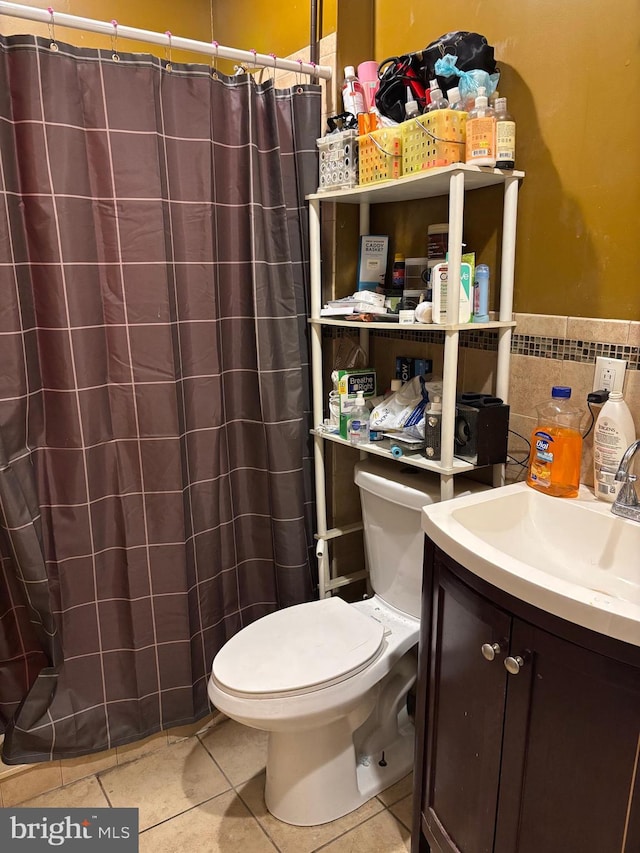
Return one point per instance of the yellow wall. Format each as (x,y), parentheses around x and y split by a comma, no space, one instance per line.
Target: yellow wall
(571,73)
(190,19)
(279,26)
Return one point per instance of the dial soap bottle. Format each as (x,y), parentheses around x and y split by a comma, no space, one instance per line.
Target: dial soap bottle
(556,446)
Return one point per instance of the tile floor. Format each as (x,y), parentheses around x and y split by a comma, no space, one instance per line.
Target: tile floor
(205,794)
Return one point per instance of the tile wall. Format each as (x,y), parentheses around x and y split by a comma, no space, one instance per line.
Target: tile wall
(551,350)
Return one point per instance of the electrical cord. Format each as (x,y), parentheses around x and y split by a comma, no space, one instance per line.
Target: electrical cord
(597,398)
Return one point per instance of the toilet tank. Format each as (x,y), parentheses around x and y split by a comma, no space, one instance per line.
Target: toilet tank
(391,500)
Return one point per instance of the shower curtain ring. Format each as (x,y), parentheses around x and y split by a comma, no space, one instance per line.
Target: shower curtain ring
(114,42)
(52,31)
(214,61)
(274,57)
(167,53)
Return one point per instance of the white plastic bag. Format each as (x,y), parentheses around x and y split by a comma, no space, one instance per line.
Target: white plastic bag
(406,407)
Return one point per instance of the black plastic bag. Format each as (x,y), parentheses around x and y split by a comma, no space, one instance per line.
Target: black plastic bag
(415,70)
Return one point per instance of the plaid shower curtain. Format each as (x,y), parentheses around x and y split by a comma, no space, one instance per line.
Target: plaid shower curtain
(155,473)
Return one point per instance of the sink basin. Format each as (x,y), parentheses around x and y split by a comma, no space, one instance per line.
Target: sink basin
(570,557)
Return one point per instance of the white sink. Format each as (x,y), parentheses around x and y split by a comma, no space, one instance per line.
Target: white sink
(570,557)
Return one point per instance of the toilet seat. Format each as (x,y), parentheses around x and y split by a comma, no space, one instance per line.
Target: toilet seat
(298,650)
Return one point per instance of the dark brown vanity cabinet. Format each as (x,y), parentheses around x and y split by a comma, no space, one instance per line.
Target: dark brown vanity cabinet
(528,727)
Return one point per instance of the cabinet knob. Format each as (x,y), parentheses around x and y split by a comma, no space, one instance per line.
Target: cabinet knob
(513,664)
(490,650)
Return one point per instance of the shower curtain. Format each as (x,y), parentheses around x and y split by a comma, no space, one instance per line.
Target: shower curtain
(155,468)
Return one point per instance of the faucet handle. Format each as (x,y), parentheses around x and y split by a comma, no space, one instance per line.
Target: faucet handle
(627,496)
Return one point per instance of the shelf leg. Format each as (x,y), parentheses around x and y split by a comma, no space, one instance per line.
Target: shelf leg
(449,373)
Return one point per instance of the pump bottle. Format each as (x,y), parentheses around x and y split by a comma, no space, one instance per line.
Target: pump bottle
(358,423)
(481,132)
(613,433)
(352,92)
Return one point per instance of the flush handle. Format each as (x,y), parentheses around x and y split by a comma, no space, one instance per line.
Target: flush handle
(513,664)
(490,650)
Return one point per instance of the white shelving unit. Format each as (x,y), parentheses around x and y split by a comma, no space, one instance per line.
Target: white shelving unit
(454,181)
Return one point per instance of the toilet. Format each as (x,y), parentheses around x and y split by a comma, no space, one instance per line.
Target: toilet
(329,680)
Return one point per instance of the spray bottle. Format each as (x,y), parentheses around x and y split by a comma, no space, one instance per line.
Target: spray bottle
(352,92)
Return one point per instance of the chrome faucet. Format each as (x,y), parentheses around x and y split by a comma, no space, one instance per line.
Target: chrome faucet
(626,503)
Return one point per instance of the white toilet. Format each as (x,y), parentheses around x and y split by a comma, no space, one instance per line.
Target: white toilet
(329,680)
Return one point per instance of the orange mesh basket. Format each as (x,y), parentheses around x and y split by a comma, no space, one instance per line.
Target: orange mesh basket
(380,155)
(433,139)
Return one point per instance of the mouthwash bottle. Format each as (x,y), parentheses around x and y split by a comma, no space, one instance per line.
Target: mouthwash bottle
(358,423)
(556,446)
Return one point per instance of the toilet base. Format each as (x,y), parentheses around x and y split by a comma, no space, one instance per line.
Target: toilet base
(314,780)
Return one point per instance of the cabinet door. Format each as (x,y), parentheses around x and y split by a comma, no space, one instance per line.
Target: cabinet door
(570,752)
(465,718)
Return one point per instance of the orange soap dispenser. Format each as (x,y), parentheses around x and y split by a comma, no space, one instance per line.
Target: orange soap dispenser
(556,446)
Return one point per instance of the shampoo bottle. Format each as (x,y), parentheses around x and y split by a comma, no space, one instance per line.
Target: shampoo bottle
(613,433)
(505,136)
(481,132)
(556,446)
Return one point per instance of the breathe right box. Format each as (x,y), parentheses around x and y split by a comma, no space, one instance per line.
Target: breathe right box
(350,382)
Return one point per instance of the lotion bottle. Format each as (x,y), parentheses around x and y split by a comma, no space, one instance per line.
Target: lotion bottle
(481,132)
(613,433)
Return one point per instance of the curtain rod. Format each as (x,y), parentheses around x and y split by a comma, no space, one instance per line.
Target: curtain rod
(166,40)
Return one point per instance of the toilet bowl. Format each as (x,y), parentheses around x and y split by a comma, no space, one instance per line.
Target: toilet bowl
(329,680)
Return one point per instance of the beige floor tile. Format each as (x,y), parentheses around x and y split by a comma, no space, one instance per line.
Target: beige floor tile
(240,751)
(135,750)
(87,765)
(83,793)
(221,825)
(398,791)
(403,810)
(181,732)
(165,783)
(36,780)
(382,834)
(302,839)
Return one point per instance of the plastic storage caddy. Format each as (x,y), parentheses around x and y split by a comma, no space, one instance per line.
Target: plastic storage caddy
(338,160)
(381,155)
(434,139)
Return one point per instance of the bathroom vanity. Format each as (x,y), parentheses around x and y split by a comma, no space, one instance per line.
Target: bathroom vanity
(528,724)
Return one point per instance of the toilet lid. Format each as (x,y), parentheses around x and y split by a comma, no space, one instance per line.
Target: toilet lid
(298,648)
